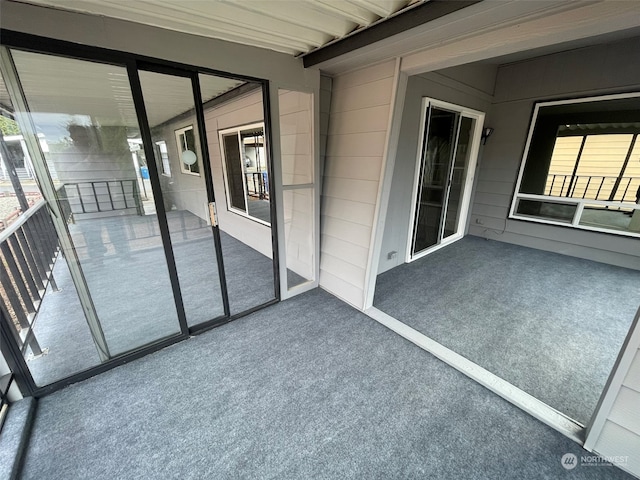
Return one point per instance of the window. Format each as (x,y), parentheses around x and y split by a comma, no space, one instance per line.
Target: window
(186,142)
(245,169)
(581,166)
(164,156)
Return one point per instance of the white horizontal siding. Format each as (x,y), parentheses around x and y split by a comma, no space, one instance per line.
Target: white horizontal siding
(356,141)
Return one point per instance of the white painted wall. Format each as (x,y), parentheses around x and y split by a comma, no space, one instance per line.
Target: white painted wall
(356,142)
(469,86)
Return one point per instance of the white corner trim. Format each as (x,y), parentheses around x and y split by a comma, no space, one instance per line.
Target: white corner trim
(521,399)
(384,185)
(616,378)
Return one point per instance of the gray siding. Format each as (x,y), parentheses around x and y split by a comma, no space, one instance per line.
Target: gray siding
(589,71)
(468,86)
(357,137)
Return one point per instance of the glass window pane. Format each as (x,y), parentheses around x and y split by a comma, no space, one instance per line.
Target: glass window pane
(85,113)
(440,132)
(561,212)
(458,176)
(298,234)
(184,195)
(234,119)
(621,219)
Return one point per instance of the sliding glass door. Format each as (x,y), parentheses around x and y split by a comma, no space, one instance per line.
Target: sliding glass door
(444,175)
(127,158)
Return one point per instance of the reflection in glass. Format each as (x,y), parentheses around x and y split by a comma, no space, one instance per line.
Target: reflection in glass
(562,212)
(85,112)
(234,119)
(458,176)
(174,127)
(600,216)
(246,171)
(296,141)
(434,175)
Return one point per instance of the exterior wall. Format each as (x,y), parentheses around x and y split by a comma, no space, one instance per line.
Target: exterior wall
(589,71)
(357,138)
(240,111)
(616,429)
(468,86)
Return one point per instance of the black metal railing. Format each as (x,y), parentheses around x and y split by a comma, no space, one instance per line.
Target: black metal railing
(28,250)
(6,381)
(593,187)
(103,196)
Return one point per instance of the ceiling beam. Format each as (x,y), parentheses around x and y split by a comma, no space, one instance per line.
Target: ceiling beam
(405,20)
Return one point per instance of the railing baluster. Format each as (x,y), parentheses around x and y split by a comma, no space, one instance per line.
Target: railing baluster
(17,277)
(586,189)
(80,198)
(124,195)
(13,299)
(110,197)
(28,254)
(600,187)
(24,268)
(36,249)
(95,195)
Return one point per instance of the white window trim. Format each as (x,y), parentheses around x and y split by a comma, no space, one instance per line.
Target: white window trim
(468,183)
(184,170)
(231,208)
(579,202)
(162,160)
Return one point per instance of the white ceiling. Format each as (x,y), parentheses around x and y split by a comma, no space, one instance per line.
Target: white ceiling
(288,26)
(61,90)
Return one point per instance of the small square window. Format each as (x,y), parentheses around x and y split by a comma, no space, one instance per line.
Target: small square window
(186,142)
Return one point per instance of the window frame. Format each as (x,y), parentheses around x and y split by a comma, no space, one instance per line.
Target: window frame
(238,130)
(165,161)
(184,168)
(579,203)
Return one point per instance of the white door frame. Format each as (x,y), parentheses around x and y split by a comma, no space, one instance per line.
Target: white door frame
(468,182)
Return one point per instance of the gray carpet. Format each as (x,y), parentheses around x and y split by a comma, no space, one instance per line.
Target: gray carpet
(130,288)
(14,436)
(550,324)
(259,209)
(308,388)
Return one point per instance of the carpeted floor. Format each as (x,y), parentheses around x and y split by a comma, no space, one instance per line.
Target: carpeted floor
(308,388)
(550,324)
(130,288)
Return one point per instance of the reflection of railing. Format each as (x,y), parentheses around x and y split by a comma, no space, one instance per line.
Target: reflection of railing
(592,187)
(28,249)
(257,184)
(103,196)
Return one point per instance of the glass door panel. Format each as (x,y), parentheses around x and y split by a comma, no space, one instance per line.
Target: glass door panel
(238,151)
(439,142)
(170,107)
(458,177)
(85,115)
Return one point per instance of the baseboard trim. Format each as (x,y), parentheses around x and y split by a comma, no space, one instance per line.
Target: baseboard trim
(521,399)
